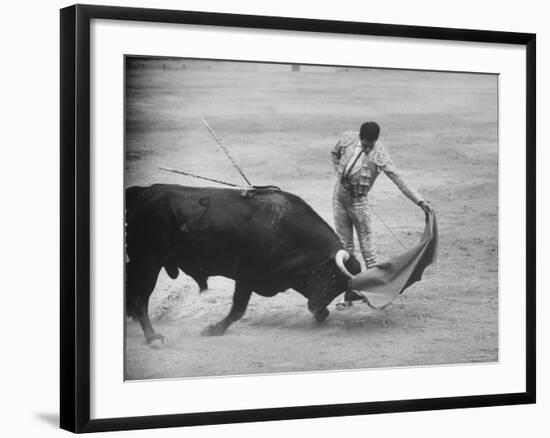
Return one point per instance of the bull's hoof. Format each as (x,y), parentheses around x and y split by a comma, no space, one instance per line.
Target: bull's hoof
(213,330)
(156,340)
(321,315)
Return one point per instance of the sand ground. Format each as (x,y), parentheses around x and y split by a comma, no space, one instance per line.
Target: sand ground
(441,130)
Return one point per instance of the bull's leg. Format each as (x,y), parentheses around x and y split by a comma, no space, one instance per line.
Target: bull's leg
(241,297)
(141,279)
(145,322)
(318,291)
(319,314)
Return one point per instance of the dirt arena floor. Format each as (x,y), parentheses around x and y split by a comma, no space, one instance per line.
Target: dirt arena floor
(441,130)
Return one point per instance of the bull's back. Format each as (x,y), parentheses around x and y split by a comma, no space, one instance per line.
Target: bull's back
(162,217)
(266,225)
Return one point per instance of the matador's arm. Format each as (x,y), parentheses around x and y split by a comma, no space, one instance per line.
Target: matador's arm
(383,160)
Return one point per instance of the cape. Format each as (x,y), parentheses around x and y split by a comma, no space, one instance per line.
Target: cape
(383,283)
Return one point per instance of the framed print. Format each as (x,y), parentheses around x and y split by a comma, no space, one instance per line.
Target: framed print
(306,218)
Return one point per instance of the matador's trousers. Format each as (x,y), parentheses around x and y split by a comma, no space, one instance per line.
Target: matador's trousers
(351,212)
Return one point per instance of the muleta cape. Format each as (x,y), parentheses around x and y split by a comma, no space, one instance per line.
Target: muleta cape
(383,283)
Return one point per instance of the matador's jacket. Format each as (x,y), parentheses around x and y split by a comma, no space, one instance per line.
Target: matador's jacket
(356,173)
(359,180)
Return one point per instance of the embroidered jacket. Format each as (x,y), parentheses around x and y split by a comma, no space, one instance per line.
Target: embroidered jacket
(359,180)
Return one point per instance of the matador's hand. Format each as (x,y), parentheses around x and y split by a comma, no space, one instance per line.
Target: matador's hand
(425,206)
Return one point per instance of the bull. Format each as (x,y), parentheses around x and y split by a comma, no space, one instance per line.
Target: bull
(266,240)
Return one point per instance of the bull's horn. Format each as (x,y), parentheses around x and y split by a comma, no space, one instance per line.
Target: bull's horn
(340,257)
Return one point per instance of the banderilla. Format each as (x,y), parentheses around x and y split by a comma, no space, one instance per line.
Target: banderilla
(181,172)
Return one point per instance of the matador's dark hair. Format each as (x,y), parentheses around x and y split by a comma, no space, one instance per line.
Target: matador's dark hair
(369,131)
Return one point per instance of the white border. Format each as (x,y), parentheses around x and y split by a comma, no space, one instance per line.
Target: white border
(111,397)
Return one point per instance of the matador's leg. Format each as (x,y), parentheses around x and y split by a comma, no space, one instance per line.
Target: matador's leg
(360,216)
(343,224)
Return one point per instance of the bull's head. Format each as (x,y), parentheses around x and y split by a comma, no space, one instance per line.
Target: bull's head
(330,281)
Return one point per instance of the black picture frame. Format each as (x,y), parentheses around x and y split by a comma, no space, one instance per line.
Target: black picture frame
(75,217)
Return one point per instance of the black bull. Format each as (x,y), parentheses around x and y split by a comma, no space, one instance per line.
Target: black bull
(267,241)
